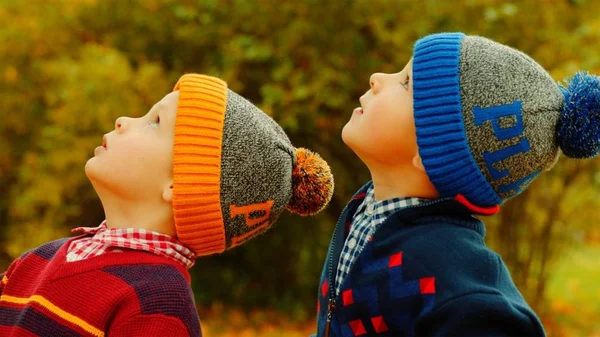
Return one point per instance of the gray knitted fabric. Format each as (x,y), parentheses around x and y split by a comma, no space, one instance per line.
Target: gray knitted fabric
(235,169)
(491,75)
(256,165)
(485,117)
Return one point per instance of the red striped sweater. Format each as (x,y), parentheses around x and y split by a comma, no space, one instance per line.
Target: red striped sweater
(133,293)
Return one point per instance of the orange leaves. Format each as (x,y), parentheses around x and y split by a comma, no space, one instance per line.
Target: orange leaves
(264,323)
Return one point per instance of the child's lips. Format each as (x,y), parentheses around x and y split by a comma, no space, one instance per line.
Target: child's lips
(101,148)
(358,110)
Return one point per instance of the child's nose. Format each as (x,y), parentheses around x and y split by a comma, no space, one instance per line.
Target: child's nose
(376,81)
(120,124)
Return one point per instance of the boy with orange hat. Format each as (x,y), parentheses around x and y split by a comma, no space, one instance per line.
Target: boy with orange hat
(202,172)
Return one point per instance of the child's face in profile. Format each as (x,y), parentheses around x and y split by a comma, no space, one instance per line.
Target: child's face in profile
(382,130)
(135,160)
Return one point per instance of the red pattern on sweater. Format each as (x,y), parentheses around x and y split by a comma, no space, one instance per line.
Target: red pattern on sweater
(133,293)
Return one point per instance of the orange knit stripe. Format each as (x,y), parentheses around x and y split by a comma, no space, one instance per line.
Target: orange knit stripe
(197,163)
(55,310)
(238,240)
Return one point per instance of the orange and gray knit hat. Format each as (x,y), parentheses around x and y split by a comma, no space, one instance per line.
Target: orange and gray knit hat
(235,170)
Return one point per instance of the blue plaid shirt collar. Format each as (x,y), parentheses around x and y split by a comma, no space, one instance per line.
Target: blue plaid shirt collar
(369,215)
(378,211)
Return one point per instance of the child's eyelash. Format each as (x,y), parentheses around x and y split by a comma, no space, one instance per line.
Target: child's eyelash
(405,82)
(156,122)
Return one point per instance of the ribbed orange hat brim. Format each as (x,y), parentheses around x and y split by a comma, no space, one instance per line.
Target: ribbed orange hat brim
(197,163)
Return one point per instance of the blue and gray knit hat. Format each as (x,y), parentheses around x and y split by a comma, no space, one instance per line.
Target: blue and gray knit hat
(489,119)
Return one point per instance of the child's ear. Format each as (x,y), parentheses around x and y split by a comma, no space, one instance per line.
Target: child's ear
(168,193)
(418,163)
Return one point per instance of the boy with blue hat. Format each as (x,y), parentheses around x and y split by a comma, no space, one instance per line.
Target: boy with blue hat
(466,125)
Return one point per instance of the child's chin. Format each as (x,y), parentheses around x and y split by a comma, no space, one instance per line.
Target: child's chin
(349,134)
(352,142)
(91,168)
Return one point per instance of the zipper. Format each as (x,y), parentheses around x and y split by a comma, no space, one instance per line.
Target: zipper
(331,303)
(330,309)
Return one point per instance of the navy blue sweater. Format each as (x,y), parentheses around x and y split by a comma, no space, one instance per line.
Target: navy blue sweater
(426,272)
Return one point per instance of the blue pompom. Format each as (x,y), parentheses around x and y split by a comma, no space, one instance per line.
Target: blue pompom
(578,128)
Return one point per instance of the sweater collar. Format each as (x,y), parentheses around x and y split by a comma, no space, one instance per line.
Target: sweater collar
(455,210)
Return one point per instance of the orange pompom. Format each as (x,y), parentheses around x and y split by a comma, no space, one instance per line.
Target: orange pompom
(312,183)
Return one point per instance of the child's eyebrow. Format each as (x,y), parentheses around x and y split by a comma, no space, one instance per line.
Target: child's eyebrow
(158,106)
(163,113)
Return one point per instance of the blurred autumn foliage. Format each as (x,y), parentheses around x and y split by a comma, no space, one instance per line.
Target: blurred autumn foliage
(68,69)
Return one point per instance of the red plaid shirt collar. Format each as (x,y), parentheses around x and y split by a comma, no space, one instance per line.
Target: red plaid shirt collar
(114,240)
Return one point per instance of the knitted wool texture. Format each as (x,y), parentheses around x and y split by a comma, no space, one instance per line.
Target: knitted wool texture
(235,170)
